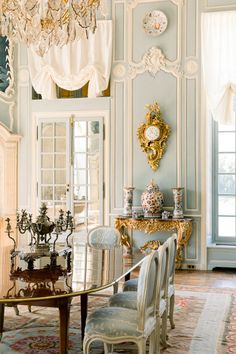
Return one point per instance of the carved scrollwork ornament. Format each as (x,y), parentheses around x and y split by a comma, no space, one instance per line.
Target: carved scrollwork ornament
(153,135)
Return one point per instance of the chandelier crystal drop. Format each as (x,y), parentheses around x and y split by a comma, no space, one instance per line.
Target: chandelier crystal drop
(44,23)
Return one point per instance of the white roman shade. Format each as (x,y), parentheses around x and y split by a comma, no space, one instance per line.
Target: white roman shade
(74,64)
(219,63)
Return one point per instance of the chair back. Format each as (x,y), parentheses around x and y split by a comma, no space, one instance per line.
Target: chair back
(149,285)
(104,237)
(172,242)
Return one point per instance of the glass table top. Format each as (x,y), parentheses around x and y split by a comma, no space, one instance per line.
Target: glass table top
(72,271)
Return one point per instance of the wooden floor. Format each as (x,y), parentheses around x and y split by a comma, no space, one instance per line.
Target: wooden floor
(218,278)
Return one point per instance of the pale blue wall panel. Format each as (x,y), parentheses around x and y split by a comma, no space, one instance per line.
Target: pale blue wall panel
(147,90)
(191,27)
(119,146)
(119,31)
(191,144)
(220,3)
(167,41)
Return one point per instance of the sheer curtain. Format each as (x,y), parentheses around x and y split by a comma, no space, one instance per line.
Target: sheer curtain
(219,63)
(74,64)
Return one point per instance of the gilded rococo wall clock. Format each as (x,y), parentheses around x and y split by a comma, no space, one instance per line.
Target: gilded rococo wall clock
(153,135)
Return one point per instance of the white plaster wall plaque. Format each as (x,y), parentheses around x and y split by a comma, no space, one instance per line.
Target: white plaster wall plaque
(154,61)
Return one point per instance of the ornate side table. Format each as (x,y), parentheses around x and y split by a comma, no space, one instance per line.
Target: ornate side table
(151,225)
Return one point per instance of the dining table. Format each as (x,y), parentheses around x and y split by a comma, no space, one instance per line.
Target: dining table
(53,277)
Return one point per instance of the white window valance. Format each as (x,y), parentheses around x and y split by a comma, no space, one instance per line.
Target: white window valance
(74,64)
(219,63)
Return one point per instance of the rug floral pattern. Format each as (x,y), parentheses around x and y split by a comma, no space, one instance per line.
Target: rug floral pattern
(37,332)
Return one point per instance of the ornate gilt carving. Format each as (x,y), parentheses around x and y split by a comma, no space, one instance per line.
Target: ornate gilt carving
(153,135)
(153,245)
(149,226)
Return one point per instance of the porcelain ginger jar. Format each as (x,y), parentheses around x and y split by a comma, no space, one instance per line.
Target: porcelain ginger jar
(152,200)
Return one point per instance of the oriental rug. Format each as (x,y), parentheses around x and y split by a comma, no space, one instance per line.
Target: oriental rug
(205,320)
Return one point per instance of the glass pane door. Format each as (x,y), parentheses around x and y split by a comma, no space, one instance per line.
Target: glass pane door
(71,168)
(87,173)
(53,177)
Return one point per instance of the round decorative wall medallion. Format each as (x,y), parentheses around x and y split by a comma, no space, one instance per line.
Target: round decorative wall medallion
(191,67)
(119,70)
(155,23)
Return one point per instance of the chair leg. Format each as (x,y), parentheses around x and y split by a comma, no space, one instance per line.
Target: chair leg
(171,311)
(16,310)
(157,335)
(142,346)
(108,348)
(152,343)
(115,288)
(86,346)
(164,329)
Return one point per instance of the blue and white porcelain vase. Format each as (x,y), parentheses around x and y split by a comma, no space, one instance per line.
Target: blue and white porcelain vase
(152,201)
(178,212)
(128,200)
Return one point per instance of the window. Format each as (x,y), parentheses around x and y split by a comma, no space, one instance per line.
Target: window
(224,187)
(70,174)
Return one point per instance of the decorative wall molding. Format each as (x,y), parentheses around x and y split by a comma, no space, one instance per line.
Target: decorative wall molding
(133,3)
(119,71)
(191,67)
(154,61)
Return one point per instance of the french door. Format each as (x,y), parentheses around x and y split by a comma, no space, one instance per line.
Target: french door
(70,168)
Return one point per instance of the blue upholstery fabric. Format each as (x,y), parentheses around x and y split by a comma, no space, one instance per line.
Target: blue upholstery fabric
(104,237)
(131,285)
(113,322)
(126,299)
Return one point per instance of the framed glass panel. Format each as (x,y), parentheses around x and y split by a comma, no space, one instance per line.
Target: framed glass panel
(226,142)
(226,205)
(47,160)
(227,226)
(226,184)
(71,169)
(226,163)
(224,179)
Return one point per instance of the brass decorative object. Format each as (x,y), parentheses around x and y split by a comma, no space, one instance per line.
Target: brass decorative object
(152,225)
(43,230)
(153,135)
(150,245)
(46,23)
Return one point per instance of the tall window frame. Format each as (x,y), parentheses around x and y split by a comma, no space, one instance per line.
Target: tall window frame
(224,183)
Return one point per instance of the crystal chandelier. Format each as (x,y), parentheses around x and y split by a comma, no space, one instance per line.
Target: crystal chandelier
(43,23)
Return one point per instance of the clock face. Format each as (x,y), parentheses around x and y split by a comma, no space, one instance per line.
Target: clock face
(155,23)
(152,133)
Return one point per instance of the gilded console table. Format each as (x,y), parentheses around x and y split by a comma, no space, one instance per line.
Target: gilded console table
(151,225)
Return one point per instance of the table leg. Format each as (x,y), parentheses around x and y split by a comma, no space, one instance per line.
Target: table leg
(2,308)
(83,310)
(127,277)
(64,310)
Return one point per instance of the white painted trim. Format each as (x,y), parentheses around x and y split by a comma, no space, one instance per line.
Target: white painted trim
(57,116)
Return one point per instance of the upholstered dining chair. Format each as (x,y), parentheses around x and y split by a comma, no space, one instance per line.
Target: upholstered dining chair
(131,285)
(104,237)
(113,325)
(128,299)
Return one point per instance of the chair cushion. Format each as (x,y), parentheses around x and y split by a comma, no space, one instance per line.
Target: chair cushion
(131,285)
(112,322)
(126,299)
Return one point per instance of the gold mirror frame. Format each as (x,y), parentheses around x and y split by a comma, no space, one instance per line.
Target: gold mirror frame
(156,147)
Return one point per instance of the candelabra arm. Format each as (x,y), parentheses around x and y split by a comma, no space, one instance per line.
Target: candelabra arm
(9,231)
(67,238)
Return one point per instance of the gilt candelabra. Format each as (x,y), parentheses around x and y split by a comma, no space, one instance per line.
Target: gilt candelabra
(43,230)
